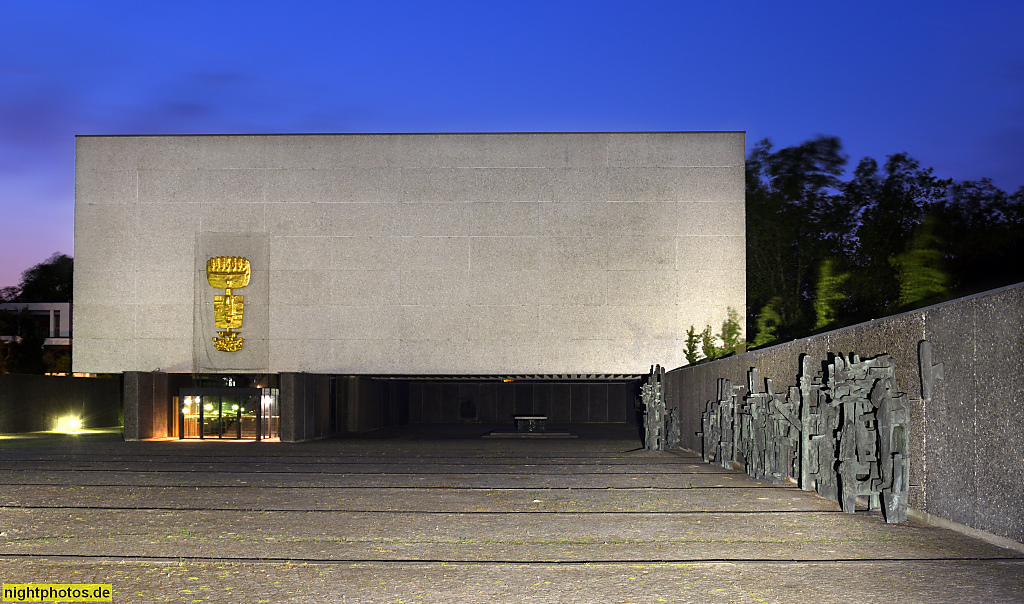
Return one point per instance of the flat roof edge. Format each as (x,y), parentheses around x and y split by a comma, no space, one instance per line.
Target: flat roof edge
(409,133)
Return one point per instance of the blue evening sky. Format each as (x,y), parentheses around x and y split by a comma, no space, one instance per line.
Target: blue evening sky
(943,81)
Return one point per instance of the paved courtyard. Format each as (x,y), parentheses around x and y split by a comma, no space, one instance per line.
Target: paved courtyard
(442,515)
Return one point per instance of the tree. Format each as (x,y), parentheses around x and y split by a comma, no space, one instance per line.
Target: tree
(48,281)
(707,344)
(892,204)
(828,294)
(731,333)
(692,340)
(767,323)
(824,252)
(730,336)
(981,230)
(795,217)
(919,270)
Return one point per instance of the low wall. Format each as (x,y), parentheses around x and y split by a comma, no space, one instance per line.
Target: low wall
(32,403)
(966,443)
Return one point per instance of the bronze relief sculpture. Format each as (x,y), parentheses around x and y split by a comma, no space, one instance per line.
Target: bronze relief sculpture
(228,273)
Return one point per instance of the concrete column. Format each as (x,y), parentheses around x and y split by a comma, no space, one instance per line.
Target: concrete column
(293,403)
(135,413)
(145,405)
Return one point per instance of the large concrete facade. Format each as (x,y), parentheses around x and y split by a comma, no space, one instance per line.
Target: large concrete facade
(408,254)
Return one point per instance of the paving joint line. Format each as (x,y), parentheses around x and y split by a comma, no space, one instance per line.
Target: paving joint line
(442,512)
(449,488)
(552,562)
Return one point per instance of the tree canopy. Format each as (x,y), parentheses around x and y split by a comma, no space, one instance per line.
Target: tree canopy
(825,250)
(48,281)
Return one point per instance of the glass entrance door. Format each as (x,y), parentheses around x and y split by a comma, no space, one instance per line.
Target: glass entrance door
(268,416)
(235,413)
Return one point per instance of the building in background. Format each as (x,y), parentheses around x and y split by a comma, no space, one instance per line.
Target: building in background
(50,323)
(54,319)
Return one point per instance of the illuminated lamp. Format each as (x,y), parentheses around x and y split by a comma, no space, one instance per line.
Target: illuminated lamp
(68,424)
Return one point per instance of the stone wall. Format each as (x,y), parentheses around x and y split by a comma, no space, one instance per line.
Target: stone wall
(317,406)
(966,442)
(446,254)
(498,402)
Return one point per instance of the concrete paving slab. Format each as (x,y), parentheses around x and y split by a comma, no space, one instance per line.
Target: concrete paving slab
(911,582)
(522,479)
(440,515)
(542,467)
(514,537)
(346,499)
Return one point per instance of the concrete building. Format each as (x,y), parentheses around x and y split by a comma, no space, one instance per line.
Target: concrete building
(428,255)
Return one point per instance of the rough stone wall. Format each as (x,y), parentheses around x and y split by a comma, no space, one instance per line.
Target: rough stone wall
(407,254)
(966,442)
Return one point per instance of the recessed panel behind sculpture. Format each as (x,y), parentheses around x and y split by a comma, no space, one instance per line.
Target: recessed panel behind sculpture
(231,330)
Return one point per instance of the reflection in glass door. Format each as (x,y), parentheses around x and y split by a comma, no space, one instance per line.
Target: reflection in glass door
(268,420)
(189,418)
(210,416)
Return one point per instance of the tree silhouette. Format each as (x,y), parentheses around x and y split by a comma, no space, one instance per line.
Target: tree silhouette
(823,252)
(48,281)
(793,219)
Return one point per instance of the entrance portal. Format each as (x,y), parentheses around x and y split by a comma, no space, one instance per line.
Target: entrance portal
(235,413)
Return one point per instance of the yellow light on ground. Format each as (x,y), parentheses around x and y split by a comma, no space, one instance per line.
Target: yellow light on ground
(69,424)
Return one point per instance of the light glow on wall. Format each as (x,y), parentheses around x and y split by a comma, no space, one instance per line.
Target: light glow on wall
(69,424)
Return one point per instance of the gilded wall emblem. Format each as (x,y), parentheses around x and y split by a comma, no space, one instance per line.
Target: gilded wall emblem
(228,273)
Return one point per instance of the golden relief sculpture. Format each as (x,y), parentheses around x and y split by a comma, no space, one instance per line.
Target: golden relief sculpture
(228,273)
